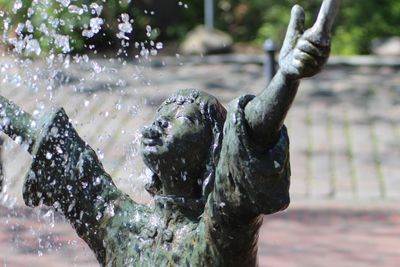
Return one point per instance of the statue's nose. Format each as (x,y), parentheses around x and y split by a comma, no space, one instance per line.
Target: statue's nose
(151,131)
(161,122)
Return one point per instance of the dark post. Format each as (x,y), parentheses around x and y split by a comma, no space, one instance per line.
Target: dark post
(209,14)
(269,63)
(1,165)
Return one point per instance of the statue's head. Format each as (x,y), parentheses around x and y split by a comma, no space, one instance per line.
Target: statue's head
(182,145)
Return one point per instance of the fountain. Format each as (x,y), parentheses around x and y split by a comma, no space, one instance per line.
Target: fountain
(214,172)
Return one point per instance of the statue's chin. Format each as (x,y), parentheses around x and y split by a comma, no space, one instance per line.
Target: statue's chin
(155,159)
(150,162)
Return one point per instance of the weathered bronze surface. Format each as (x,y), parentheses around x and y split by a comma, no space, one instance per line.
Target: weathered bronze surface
(215,172)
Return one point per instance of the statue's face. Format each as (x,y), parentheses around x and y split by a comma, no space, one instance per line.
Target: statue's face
(177,143)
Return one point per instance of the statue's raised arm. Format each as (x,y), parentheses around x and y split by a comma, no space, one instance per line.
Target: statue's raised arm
(65,172)
(303,54)
(16,123)
(252,177)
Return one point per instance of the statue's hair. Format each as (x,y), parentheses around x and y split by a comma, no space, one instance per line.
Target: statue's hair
(214,114)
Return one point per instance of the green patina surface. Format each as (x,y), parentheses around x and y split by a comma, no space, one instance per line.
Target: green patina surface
(214,173)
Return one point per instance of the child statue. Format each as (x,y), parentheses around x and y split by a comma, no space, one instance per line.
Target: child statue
(215,172)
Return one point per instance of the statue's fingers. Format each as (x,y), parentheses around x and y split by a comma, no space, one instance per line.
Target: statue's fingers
(327,15)
(310,48)
(321,30)
(298,66)
(307,66)
(295,29)
(306,59)
(309,59)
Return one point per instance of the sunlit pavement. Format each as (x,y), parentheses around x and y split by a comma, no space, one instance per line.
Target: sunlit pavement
(304,236)
(345,149)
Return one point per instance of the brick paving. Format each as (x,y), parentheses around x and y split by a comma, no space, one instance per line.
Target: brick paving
(40,238)
(345,148)
(331,236)
(306,235)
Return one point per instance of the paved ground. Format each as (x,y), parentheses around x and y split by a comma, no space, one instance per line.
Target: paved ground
(328,236)
(304,236)
(345,149)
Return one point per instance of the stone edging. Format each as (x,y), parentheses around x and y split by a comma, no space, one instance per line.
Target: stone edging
(334,61)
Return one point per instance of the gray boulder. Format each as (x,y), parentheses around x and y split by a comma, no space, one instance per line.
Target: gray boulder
(386,47)
(202,41)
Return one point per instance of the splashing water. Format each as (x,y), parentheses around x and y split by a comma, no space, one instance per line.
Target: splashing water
(42,67)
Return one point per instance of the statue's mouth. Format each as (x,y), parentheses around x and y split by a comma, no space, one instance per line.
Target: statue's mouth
(151,141)
(151,135)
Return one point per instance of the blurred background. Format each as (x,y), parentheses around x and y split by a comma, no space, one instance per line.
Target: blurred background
(94,25)
(110,63)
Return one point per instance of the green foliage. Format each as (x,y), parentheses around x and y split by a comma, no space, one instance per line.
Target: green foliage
(362,21)
(59,28)
(358,23)
(64,26)
(258,20)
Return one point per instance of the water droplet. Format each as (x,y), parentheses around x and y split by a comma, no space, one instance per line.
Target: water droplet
(159,45)
(33,46)
(124,27)
(29,26)
(118,106)
(17,6)
(276,165)
(96,8)
(49,155)
(95,24)
(153,52)
(20,28)
(148,30)
(110,210)
(71,206)
(54,131)
(18,140)
(96,67)
(133,110)
(75,10)
(65,3)
(99,215)
(62,41)
(43,28)
(100,154)
(96,181)
(6,121)
(48,217)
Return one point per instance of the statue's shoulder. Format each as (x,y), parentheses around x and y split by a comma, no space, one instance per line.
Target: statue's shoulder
(128,213)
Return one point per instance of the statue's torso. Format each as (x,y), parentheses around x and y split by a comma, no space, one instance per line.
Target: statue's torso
(143,236)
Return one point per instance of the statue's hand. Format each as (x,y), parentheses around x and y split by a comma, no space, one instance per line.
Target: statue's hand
(304,53)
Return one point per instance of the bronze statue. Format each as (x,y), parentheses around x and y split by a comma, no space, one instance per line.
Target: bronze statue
(215,172)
